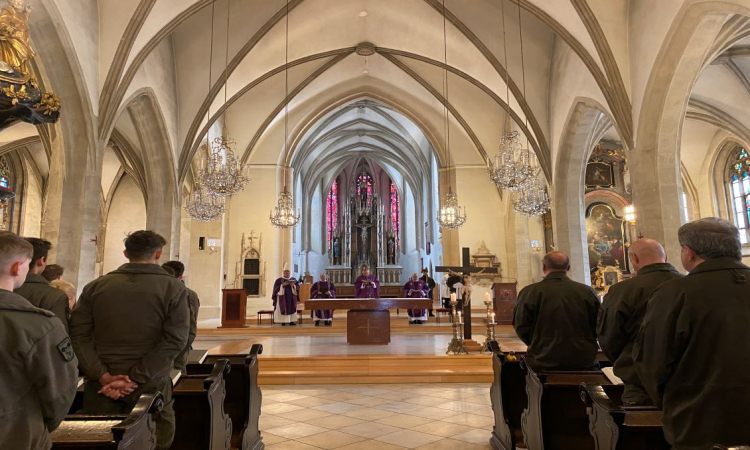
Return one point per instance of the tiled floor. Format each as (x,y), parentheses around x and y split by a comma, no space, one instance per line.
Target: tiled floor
(377,417)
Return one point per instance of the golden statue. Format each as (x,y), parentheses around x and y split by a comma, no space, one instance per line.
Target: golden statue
(15,51)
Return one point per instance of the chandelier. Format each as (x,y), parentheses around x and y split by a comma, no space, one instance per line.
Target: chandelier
(451,215)
(202,206)
(284,214)
(223,175)
(532,200)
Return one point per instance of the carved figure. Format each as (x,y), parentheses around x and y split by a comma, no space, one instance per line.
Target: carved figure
(15,50)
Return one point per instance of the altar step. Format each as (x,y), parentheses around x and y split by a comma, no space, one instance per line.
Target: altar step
(375,369)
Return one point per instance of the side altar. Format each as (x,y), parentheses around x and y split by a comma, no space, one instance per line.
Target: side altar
(368,320)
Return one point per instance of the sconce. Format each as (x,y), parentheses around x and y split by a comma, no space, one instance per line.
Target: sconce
(536,245)
(630,214)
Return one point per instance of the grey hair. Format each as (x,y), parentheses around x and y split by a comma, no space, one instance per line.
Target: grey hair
(711,237)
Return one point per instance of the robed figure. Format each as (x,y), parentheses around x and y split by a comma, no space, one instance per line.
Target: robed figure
(366,285)
(285,299)
(416,288)
(323,289)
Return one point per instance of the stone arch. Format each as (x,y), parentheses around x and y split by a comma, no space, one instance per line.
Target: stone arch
(125,211)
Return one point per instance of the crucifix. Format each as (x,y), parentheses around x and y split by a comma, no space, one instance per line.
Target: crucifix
(466,268)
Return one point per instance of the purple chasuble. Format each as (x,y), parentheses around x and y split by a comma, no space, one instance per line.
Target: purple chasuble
(416,289)
(367,287)
(286,300)
(323,289)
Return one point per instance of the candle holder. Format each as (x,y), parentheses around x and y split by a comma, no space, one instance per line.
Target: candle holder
(457,342)
(490,334)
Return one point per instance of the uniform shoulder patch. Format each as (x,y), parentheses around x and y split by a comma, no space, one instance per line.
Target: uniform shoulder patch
(66,349)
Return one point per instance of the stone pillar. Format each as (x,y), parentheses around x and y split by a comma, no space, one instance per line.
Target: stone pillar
(283,235)
(449,240)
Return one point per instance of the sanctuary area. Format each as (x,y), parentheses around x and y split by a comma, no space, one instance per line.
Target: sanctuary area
(374,224)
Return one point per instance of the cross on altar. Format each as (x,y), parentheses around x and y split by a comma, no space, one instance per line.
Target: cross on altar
(466,268)
(366,327)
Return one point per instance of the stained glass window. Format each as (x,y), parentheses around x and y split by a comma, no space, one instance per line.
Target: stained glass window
(332,211)
(395,219)
(739,187)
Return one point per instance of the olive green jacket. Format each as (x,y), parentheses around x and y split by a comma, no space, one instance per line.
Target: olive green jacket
(194,303)
(38,374)
(691,355)
(622,312)
(39,293)
(556,318)
(133,321)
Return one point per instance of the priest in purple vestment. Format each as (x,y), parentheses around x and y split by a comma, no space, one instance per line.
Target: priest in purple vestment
(366,285)
(285,298)
(323,289)
(416,288)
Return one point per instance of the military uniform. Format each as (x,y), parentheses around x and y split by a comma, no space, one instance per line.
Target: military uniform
(38,374)
(180,363)
(620,318)
(556,318)
(39,293)
(132,321)
(691,355)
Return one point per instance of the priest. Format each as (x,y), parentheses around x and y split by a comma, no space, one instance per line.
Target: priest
(366,285)
(285,298)
(416,288)
(323,289)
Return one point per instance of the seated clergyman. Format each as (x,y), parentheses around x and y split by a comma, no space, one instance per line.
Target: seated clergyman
(556,318)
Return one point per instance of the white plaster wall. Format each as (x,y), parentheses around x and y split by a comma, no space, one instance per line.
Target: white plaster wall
(127,213)
(32,213)
(204,276)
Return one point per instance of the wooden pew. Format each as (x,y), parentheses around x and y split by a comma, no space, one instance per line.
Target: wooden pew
(134,431)
(721,447)
(199,411)
(508,395)
(617,427)
(243,399)
(555,418)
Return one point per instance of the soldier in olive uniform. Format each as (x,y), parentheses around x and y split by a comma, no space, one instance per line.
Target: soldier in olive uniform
(37,290)
(38,372)
(127,328)
(623,310)
(194,303)
(556,318)
(691,353)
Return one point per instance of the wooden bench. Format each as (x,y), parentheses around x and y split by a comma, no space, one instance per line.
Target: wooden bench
(616,426)
(508,395)
(243,399)
(555,418)
(199,411)
(265,312)
(439,311)
(134,431)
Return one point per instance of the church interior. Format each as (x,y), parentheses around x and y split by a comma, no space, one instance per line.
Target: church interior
(324,136)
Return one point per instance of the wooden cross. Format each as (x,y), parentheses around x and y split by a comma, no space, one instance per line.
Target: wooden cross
(366,327)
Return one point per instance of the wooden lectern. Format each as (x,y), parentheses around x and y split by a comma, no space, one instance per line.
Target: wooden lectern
(505,300)
(233,308)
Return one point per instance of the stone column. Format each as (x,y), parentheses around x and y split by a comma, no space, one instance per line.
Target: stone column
(450,243)
(283,235)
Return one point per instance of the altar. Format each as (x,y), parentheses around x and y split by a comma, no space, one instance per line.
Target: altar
(368,320)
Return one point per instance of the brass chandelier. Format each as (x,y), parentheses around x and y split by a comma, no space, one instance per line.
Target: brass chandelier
(451,215)
(284,215)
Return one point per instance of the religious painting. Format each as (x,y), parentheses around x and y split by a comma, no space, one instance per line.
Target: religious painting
(605,233)
(600,175)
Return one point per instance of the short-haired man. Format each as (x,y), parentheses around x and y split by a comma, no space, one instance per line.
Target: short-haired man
(692,351)
(623,309)
(37,290)
(178,269)
(427,279)
(38,372)
(556,318)
(127,329)
(53,272)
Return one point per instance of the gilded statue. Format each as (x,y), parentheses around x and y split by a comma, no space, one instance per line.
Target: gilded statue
(15,51)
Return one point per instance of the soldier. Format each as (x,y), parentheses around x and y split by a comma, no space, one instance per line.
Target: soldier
(37,290)
(38,372)
(623,310)
(194,303)
(691,351)
(556,318)
(127,329)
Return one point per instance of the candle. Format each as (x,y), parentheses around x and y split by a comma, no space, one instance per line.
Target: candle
(459,317)
(493,319)
(487,296)
(453,297)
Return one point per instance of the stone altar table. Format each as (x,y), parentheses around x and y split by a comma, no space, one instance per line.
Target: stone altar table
(368,320)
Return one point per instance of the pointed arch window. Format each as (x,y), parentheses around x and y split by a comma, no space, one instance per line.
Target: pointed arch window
(739,191)
(332,212)
(395,211)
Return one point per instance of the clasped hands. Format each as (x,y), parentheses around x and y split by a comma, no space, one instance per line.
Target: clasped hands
(116,386)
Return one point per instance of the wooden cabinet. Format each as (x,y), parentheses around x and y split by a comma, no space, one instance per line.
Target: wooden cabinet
(505,296)
(233,308)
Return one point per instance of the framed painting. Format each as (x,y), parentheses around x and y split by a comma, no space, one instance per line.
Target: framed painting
(599,175)
(605,234)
